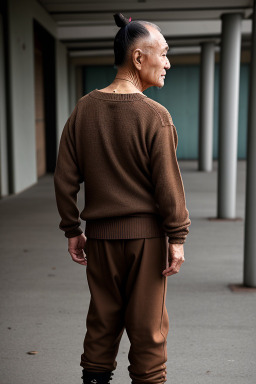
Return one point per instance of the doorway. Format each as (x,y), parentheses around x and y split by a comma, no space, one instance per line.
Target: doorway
(39,108)
(45,101)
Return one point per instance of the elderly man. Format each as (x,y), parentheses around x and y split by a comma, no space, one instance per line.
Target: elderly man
(122,145)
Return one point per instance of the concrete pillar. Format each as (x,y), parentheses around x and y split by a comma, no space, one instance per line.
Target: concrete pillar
(250,213)
(206,107)
(228,114)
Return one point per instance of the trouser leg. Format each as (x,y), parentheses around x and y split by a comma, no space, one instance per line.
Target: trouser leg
(105,318)
(146,318)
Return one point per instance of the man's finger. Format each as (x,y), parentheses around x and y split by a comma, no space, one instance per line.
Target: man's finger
(79,261)
(174,267)
(79,257)
(170,271)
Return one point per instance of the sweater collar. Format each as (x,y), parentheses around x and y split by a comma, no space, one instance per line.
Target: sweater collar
(116,96)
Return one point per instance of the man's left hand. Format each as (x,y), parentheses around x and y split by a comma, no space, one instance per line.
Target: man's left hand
(76,247)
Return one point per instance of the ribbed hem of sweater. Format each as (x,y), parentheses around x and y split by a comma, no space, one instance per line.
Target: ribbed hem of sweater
(125,227)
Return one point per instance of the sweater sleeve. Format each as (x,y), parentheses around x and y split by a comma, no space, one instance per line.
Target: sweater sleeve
(67,180)
(169,189)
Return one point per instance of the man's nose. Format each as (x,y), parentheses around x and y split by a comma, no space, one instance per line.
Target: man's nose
(167,64)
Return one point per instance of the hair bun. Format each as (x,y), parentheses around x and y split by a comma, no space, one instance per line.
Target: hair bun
(120,20)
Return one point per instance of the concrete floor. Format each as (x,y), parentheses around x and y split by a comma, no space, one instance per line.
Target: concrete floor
(44,295)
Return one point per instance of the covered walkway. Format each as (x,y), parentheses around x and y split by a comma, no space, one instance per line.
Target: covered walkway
(44,295)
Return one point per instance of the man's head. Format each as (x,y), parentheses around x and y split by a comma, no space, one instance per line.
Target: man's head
(141,46)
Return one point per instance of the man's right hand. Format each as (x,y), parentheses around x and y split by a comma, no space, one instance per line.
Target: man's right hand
(76,247)
(175,259)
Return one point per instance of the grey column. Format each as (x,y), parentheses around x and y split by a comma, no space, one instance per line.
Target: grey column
(250,214)
(206,107)
(228,114)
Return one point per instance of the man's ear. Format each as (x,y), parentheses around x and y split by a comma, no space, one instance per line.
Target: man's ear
(137,58)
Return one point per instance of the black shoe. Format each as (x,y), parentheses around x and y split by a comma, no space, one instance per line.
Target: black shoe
(96,377)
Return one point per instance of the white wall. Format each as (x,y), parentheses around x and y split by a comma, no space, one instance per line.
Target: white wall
(62,99)
(4,189)
(21,84)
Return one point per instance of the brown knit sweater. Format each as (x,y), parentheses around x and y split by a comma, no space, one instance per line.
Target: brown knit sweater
(123,147)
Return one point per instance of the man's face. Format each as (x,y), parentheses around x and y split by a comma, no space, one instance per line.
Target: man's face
(155,62)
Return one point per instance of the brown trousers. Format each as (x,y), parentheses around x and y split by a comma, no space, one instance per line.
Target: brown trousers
(128,292)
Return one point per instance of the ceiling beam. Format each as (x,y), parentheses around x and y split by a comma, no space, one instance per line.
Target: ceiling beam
(169,29)
(154,16)
(54,7)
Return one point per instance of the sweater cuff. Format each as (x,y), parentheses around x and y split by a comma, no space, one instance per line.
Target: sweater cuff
(179,237)
(75,232)
(177,240)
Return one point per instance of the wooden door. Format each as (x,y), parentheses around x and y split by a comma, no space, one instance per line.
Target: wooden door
(39,109)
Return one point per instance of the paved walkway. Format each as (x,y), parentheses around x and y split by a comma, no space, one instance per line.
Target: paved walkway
(44,295)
